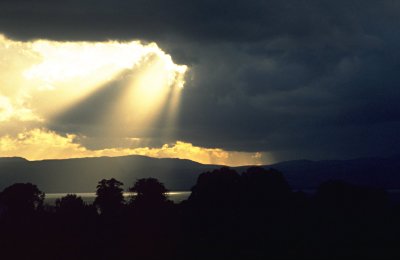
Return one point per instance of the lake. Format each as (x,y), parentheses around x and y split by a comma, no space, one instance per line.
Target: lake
(88,197)
(179,196)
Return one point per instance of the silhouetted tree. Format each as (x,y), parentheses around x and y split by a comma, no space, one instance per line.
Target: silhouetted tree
(156,225)
(212,213)
(22,198)
(20,235)
(149,191)
(219,188)
(109,196)
(70,204)
(261,187)
(265,206)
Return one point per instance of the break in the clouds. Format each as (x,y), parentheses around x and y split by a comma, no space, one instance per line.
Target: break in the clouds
(295,79)
(83,99)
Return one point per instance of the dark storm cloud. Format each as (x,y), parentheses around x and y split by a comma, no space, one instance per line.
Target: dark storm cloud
(315,79)
(205,20)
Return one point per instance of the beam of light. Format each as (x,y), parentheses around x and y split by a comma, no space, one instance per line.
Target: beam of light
(55,77)
(50,76)
(71,71)
(41,79)
(76,70)
(151,94)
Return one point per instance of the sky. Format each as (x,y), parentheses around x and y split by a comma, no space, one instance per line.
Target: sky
(227,82)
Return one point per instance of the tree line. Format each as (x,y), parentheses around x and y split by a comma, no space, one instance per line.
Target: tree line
(252,215)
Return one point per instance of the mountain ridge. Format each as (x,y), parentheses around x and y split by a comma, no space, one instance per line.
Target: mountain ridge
(82,174)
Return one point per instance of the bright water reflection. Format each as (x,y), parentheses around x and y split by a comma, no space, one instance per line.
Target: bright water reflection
(88,197)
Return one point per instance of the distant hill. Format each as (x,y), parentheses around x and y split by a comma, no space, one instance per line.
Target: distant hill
(12,159)
(373,172)
(82,175)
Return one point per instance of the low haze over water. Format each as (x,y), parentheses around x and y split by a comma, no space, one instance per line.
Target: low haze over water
(88,197)
(179,196)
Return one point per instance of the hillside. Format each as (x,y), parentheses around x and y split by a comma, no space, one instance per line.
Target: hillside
(82,175)
(307,174)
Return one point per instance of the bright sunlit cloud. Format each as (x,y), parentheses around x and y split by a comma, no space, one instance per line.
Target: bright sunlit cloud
(9,111)
(38,144)
(102,89)
(50,76)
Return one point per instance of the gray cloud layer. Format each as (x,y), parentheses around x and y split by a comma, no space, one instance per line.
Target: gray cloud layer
(301,79)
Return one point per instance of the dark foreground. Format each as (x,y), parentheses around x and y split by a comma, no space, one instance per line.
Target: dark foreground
(253,215)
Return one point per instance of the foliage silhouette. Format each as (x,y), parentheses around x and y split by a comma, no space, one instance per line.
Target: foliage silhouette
(253,215)
(261,187)
(22,198)
(148,191)
(70,204)
(156,228)
(109,196)
(21,220)
(216,189)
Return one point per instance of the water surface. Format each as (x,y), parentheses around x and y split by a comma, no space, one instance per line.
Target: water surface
(88,197)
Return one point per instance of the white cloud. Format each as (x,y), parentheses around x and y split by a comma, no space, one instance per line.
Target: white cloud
(10,111)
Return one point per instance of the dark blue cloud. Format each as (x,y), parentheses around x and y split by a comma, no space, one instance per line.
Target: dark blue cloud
(315,79)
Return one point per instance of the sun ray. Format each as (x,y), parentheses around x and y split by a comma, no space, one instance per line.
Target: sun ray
(111,89)
(57,78)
